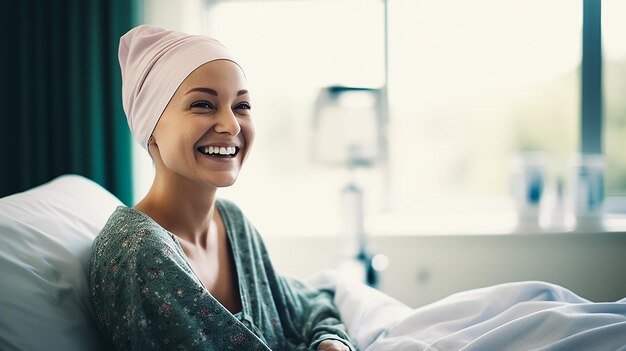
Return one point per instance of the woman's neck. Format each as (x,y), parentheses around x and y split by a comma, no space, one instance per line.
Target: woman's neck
(183,207)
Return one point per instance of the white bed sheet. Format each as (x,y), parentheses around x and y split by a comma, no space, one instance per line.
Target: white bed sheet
(514,316)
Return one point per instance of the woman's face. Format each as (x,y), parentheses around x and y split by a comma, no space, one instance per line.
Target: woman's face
(206,131)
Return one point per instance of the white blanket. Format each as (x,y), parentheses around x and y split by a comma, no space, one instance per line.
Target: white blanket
(514,316)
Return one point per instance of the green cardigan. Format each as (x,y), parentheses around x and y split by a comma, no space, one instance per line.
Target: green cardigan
(146,295)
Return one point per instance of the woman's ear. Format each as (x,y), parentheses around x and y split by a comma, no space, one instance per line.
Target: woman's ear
(151,147)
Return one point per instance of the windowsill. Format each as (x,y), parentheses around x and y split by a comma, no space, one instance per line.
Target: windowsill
(487,223)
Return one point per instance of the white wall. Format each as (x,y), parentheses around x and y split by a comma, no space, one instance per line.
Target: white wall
(424,268)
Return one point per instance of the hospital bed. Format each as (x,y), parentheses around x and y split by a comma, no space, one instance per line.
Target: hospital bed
(45,240)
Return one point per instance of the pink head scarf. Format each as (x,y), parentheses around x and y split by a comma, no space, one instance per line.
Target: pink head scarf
(154,63)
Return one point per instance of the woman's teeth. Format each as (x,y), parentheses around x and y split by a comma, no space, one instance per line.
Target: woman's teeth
(218,150)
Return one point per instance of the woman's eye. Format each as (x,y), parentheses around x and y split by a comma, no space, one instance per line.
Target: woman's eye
(201,104)
(243,106)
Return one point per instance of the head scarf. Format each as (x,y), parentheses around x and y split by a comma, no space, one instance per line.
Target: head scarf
(154,63)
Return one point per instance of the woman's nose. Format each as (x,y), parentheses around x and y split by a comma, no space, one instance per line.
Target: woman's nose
(227,123)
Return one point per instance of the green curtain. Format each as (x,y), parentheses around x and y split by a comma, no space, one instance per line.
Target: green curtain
(61,93)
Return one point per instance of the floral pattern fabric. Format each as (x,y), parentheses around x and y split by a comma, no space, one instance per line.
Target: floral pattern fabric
(147,297)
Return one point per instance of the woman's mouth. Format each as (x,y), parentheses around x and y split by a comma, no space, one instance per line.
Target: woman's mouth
(219,151)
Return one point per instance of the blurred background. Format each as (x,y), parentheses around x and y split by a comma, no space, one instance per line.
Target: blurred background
(396,134)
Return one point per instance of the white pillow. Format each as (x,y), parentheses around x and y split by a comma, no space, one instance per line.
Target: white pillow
(45,243)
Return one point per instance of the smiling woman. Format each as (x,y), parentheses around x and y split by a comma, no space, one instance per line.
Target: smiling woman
(200,117)
(184,269)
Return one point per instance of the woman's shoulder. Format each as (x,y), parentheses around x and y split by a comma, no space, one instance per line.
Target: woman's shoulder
(129,241)
(128,231)
(125,221)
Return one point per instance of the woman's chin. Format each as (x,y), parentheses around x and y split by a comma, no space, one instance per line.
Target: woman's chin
(222,182)
(215,179)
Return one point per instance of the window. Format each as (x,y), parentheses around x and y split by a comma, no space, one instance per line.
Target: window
(473,83)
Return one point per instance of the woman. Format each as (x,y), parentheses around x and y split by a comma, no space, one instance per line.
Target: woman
(183,269)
